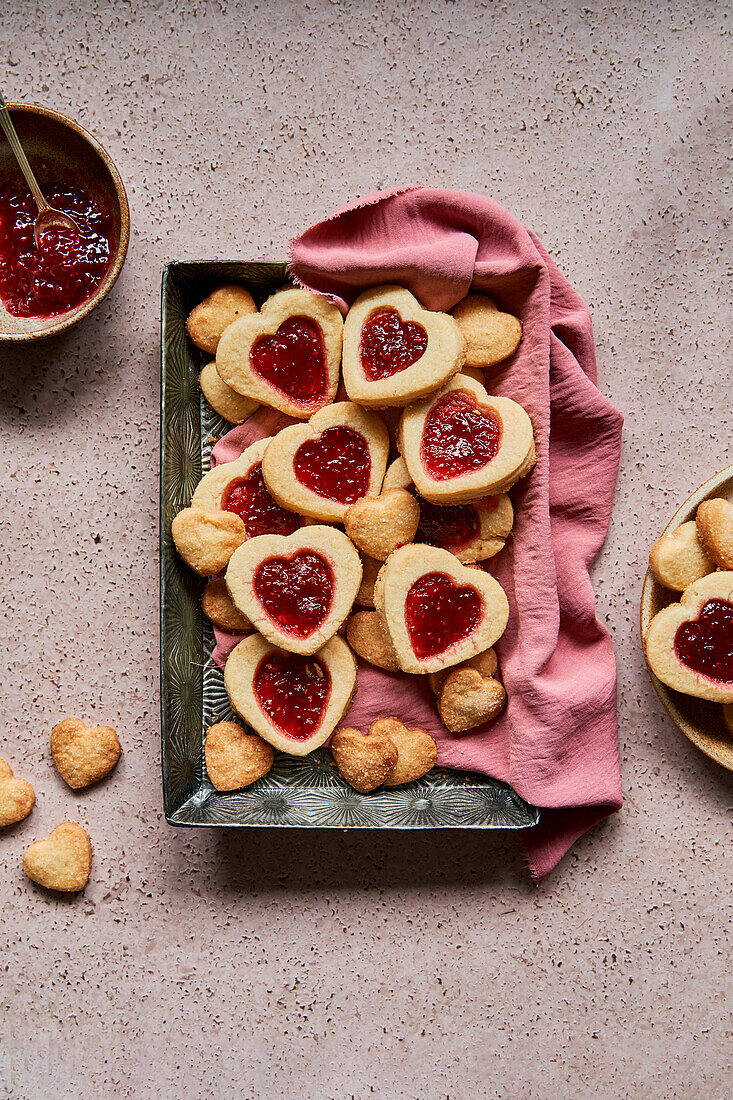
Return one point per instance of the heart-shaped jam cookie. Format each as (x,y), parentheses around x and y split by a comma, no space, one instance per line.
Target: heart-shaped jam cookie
(491,336)
(437,611)
(286,356)
(63,861)
(395,351)
(292,700)
(689,645)
(321,468)
(17,797)
(678,559)
(296,590)
(461,444)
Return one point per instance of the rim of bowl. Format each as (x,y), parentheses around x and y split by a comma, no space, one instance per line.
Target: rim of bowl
(703,742)
(68,320)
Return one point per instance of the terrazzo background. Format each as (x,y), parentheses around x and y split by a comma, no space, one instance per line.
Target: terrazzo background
(208,964)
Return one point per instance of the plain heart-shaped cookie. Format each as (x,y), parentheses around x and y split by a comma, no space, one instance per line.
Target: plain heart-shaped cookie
(288,355)
(689,645)
(491,336)
(365,595)
(485,663)
(380,525)
(235,758)
(437,611)
(468,699)
(209,319)
(17,797)
(367,636)
(416,751)
(364,760)
(206,539)
(62,862)
(218,606)
(461,444)
(293,701)
(395,351)
(320,468)
(297,589)
(223,399)
(678,559)
(83,754)
(715,530)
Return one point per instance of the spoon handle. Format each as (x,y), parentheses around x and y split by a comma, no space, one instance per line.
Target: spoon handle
(11,134)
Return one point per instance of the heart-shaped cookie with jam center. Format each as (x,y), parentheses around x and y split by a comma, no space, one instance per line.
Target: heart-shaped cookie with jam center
(491,336)
(461,444)
(395,351)
(437,611)
(689,645)
(293,701)
(287,356)
(84,754)
(17,797)
(239,487)
(320,468)
(296,590)
(63,861)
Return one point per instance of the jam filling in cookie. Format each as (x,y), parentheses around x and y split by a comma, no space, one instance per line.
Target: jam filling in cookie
(439,613)
(248,498)
(705,644)
(293,360)
(336,465)
(389,345)
(296,592)
(459,436)
(451,526)
(292,691)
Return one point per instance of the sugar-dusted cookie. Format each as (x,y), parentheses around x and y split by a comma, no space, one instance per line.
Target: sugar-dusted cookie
(288,355)
(217,605)
(715,530)
(416,751)
(297,589)
(17,797)
(223,399)
(491,336)
(239,487)
(235,758)
(395,351)
(63,861)
(462,444)
(206,539)
(437,611)
(320,468)
(370,567)
(293,701)
(368,637)
(469,699)
(380,525)
(689,645)
(486,663)
(208,320)
(84,754)
(364,760)
(678,559)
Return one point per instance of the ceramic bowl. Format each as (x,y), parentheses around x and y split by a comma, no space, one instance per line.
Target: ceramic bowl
(700,721)
(58,146)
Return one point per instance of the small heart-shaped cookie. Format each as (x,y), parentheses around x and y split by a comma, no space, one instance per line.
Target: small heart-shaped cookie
(491,336)
(17,797)
(715,530)
(223,399)
(678,559)
(320,468)
(395,351)
(485,663)
(368,638)
(293,701)
(363,760)
(217,605)
(235,758)
(296,590)
(206,539)
(208,320)
(288,355)
(380,525)
(62,862)
(416,751)
(83,754)
(468,699)
(365,595)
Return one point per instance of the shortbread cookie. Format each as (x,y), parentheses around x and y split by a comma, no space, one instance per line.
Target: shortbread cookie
(287,356)
(486,663)
(461,444)
(491,336)
(364,760)
(715,530)
(239,487)
(221,308)
(437,611)
(206,539)
(727,712)
(297,589)
(294,702)
(17,797)
(217,605)
(689,645)
(416,751)
(469,699)
(365,595)
(678,559)
(235,758)
(367,636)
(62,862)
(320,468)
(223,399)
(395,351)
(83,754)
(380,525)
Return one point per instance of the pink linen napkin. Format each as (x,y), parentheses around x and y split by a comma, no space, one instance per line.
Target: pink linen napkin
(557,741)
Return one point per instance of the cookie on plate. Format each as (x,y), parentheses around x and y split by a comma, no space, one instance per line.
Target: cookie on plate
(491,336)
(380,525)
(678,559)
(218,606)
(209,319)
(235,758)
(223,399)
(206,539)
(715,530)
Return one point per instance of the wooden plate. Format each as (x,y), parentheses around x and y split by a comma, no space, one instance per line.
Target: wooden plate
(700,721)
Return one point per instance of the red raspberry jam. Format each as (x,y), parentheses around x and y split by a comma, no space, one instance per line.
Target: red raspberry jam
(458,437)
(439,613)
(389,344)
(337,465)
(450,526)
(68,268)
(706,644)
(249,498)
(293,692)
(293,360)
(295,592)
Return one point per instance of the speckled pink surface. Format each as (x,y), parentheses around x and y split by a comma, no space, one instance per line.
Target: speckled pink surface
(208,964)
